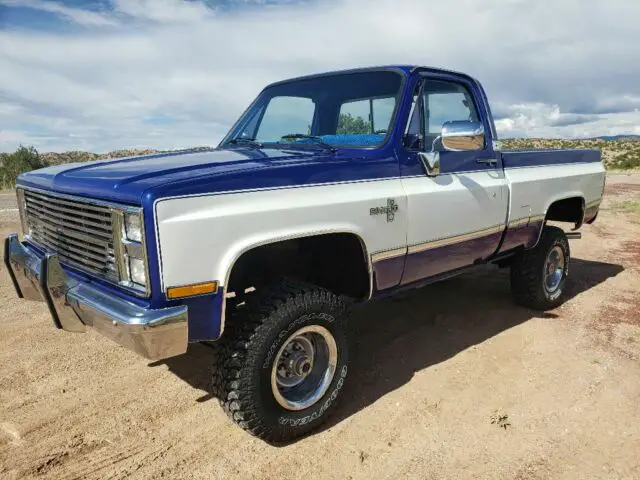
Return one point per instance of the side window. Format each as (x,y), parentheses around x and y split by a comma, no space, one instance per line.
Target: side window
(371,115)
(446,102)
(382,113)
(354,118)
(284,116)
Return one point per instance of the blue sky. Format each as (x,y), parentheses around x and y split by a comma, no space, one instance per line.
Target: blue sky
(105,74)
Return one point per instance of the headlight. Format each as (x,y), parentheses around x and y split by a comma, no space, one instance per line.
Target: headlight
(137,270)
(133,226)
(131,250)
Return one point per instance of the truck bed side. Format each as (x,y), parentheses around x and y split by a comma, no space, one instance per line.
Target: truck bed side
(538,179)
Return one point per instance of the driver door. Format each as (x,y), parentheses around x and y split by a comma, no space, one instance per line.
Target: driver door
(455,218)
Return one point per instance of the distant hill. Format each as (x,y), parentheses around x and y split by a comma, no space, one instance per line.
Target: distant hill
(75,156)
(613,138)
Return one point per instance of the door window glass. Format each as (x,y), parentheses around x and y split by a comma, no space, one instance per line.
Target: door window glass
(446,102)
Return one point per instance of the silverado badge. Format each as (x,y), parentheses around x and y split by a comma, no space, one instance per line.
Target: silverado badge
(390,209)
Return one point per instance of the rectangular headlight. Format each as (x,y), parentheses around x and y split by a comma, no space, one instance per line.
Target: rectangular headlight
(133,226)
(138,271)
(131,254)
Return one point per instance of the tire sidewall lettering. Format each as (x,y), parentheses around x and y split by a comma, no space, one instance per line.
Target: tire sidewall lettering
(296,422)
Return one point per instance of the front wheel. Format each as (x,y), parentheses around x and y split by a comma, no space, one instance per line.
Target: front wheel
(539,275)
(283,361)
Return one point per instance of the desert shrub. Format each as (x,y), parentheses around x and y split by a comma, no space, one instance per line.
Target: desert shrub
(24,159)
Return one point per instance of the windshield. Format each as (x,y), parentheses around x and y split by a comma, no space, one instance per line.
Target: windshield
(341,110)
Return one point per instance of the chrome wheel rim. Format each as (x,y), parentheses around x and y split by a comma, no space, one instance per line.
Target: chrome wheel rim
(554,269)
(304,367)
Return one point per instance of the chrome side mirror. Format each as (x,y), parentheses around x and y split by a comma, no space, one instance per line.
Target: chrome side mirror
(462,136)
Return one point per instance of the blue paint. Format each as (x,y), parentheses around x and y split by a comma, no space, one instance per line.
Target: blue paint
(591,213)
(435,261)
(521,236)
(205,315)
(538,158)
(388,273)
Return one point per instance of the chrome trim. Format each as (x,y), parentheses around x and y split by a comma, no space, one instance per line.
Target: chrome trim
(519,222)
(133,249)
(126,248)
(90,201)
(310,368)
(117,224)
(21,210)
(75,305)
(430,162)
(462,135)
(443,242)
(388,254)
(86,250)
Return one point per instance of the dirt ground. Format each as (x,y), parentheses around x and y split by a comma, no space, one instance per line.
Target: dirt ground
(451,381)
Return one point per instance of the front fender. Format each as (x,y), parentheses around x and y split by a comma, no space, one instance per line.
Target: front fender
(201,237)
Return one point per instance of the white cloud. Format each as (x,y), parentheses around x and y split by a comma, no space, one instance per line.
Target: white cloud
(166,11)
(542,120)
(550,67)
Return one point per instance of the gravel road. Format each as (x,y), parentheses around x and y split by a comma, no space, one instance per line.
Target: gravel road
(433,369)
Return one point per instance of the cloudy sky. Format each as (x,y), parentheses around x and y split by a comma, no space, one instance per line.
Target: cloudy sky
(104,74)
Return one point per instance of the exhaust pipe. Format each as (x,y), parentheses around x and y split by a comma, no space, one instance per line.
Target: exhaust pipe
(574,235)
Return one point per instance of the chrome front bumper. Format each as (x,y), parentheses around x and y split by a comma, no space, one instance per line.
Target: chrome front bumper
(75,305)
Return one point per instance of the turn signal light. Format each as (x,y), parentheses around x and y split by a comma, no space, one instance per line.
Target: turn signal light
(192,290)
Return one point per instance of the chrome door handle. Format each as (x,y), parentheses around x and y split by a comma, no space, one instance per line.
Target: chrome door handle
(487,161)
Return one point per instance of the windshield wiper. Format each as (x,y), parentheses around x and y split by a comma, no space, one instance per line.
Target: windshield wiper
(317,139)
(244,141)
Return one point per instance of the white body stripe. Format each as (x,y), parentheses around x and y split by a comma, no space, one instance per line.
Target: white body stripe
(533,190)
(200,237)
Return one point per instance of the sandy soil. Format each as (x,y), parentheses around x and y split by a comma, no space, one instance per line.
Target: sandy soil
(432,369)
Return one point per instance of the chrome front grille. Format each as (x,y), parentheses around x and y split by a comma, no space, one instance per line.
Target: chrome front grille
(80,232)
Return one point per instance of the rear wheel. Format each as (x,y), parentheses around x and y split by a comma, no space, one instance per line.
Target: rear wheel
(539,275)
(283,362)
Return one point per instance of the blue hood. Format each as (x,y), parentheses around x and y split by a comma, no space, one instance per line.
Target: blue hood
(126,180)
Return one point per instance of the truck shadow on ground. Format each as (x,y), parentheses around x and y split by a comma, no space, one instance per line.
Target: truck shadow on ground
(396,337)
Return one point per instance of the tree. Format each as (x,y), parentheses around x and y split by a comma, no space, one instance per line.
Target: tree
(347,123)
(24,159)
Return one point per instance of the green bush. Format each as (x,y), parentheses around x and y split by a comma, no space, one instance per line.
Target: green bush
(13,164)
(628,161)
(347,123)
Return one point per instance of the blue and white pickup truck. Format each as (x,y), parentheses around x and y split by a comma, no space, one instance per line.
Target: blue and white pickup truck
(329,189)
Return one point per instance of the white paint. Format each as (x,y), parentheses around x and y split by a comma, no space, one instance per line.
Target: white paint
(454,204)
(534,189)
(201,237)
